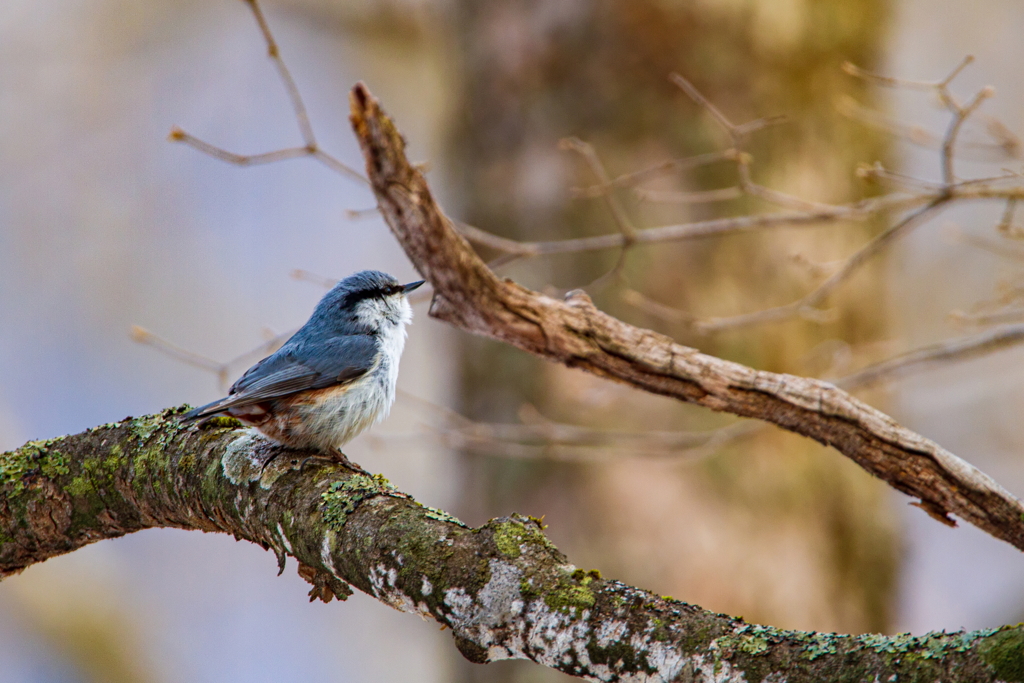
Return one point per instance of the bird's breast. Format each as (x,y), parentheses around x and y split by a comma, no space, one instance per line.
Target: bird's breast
(335,415)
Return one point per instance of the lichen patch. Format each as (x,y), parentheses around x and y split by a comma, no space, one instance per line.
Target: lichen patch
(239,461)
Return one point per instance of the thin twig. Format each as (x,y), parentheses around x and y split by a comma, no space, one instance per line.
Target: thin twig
(1005,225)
(890,82)
(301,115)
(999,248)
(700,197)
(143,336)
(361,214)
(960,114)
(724,226)
(310,147)
(656,309)
(618,212)
(806,305)
(315,278)
(641,176)
(704,102)
(988,318)
(943,352)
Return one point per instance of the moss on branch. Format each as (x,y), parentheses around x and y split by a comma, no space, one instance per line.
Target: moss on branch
(503,588)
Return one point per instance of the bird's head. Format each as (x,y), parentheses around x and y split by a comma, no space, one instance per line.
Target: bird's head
(367,302)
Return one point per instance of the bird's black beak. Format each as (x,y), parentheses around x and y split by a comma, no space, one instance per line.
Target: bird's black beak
(411,286)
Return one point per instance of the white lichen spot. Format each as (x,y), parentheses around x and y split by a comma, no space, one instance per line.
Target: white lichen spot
(377,575)
(502,590)
(402,602)
(284,539)
(461,605)
(557,633)
(383,583)
(610,631)
(327,552)
(238,463)
(668,661)
(716,670)
(500,620)
(427,588)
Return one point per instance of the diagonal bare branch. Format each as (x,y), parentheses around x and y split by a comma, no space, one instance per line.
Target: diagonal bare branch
(573,332)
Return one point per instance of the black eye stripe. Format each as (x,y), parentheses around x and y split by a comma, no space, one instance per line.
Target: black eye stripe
(352,298)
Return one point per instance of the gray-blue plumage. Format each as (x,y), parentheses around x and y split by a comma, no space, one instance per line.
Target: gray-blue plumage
(335,376)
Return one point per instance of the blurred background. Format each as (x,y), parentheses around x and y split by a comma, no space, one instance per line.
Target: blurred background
(105,225)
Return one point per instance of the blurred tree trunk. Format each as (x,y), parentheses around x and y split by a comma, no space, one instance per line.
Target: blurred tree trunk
(776,528)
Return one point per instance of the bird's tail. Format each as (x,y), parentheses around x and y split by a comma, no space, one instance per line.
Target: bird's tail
(204,412)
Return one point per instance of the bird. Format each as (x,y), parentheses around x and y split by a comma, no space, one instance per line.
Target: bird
(334,377)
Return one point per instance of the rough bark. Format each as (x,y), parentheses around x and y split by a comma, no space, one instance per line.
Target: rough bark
(573,332)
(503,589)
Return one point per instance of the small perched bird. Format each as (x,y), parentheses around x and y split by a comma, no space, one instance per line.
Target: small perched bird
(334,377)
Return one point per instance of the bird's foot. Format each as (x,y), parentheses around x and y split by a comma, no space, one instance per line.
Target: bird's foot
(339,456)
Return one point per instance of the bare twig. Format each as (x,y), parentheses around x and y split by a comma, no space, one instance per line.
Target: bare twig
(806,305)
(890,82)
(989,317)
(222,370)
(1004,146)
(315,278)
(637,177)
(537,437)
(656,309)
(301,116)
(997,247)
(625,226)
(701,197)
(144,336)
(943,352)
(960,114)
(858,211)
(1010,143)
(697,96)
(1005,225)
(310,147)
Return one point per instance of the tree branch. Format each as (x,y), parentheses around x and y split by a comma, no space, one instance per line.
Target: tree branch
(575,333)
(503,589)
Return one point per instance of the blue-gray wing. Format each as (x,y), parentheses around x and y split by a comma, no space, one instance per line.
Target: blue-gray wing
(298,367)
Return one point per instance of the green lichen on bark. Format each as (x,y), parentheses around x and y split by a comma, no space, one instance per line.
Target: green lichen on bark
(1004,652)
(503,588)
(42,457)
(571,592)
(343,497)
(442,516)
(513,536)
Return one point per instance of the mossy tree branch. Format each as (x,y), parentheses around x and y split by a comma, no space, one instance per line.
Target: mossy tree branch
(503,589)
